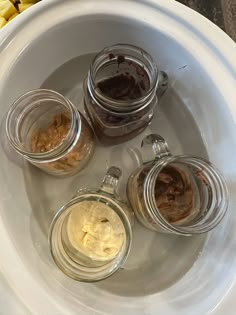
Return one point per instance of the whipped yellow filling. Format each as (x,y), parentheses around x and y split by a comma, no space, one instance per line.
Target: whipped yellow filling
(95,230)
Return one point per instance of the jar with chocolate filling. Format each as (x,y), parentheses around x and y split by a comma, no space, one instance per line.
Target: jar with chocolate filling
(48,131)
(121,92)
(90,237)
(184,194)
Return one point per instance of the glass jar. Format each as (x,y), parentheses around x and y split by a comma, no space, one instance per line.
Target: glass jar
(49,132)
(90,237)
(184,194)
(121,92)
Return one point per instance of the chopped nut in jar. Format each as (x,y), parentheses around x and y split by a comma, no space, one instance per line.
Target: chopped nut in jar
(47,139)
(48,131)
(44,140)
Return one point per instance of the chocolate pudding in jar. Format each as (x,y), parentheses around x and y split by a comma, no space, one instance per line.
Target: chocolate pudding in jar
(129,83)
(121,93)
(182,195)
(176,195)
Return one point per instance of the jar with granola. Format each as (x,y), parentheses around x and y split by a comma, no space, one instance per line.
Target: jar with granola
(49,132)
(183,195)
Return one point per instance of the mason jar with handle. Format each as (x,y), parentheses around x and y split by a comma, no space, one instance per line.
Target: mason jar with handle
(90,236)
(47,130)
(121,92)
(183,194)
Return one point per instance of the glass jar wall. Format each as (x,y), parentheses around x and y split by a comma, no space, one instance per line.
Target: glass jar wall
(49,132)
(121,92)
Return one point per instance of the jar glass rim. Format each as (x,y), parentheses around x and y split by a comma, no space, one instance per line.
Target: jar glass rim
(156,214)
(58,151)
(94,67)
(132,111)
(114,264)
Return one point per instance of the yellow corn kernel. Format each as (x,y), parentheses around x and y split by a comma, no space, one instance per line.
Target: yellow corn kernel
(12,17)
(28,1)
(3,21)
(7,9)
(23,7)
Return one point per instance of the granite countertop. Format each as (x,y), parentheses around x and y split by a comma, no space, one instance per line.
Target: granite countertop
(221,12)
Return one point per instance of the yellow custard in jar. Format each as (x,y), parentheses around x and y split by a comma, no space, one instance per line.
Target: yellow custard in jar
(95,230)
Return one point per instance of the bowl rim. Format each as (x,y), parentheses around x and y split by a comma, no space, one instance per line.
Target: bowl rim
(218,44)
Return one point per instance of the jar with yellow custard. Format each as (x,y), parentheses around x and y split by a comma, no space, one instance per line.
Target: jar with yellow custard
(90,237)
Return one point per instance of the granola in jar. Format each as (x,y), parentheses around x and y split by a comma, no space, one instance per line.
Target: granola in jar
(47,130)
(44,140)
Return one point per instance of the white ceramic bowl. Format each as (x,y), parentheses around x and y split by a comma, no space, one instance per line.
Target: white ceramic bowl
(50,45)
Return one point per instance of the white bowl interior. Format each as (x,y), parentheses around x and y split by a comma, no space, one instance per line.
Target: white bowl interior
(163,272)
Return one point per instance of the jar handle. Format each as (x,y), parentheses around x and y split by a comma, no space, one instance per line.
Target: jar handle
(110,181)
(163,81)
(154,147)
